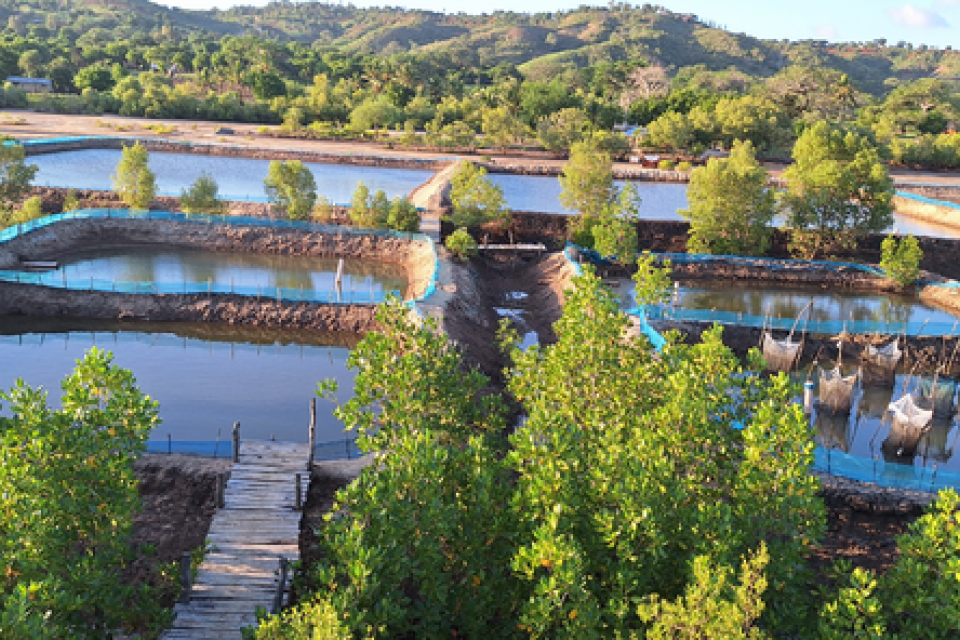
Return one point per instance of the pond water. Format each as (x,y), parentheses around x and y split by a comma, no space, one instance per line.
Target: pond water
(244,271)
(659,201)
(778,301)
(237,178)
(205,377)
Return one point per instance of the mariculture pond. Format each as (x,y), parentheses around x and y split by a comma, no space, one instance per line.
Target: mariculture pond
(205,376)
(243,271)
(236,178)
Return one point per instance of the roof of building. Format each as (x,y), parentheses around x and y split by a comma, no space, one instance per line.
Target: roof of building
(29,80)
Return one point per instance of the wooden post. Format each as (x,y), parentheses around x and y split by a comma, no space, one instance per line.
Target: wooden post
(278,596)
(186,578)
(236,442)
(339,279)
(313,428)
(221,490)
(298,499)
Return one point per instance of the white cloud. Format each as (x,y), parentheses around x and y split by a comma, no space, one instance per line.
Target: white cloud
(827,31)
(911,16)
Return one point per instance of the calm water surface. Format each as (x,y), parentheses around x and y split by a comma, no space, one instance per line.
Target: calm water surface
(788,301)
(171,265)
(205,377)
(237,178)
(659,201)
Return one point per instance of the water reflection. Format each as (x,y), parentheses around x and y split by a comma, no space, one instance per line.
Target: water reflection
(170,265)
(204,376)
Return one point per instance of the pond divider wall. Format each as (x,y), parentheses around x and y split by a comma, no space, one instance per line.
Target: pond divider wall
(48,237)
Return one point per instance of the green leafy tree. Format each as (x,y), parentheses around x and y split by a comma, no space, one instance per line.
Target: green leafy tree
(461,244)
(476,200)
(71,202)
(69,494)
(615,234)
(95,76)
(134,182)
(361,209)
(838,190)
(559,131)
(587,181)
(731,206)
(380,207)
(403,215)
(202,196)
(291,186)
(900,260)
(15,173)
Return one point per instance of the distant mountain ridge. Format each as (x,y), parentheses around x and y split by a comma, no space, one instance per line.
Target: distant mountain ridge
(541,44)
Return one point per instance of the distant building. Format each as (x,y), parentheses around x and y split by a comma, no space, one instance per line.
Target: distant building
(31,85)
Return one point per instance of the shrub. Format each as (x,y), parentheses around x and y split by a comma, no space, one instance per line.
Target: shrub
(403,215)
(684,166)
(71,202)
(461,244)
(900,260)
(665,165)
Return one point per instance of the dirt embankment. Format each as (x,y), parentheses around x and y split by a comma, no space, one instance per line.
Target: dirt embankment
(178,498)
(414,259)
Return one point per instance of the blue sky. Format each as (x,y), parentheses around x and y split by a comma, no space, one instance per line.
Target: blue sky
(930,22)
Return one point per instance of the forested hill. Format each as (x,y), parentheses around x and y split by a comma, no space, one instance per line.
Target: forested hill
(542,45)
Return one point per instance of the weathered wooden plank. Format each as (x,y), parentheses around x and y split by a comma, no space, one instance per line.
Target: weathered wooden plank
(257,525)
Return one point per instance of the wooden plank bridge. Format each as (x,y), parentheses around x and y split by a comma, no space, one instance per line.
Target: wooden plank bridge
(258,524)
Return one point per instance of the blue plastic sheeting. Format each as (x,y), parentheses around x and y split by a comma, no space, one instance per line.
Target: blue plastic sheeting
(337,450)
(939,203)
(223,449)
(885,474)
(281,294)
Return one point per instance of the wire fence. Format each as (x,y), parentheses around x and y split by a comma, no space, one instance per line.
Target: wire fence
(281,294)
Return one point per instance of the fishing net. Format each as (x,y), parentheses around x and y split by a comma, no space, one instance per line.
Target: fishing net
(879,364)
(836,391)
(937,393)
(907,425)
(780,355)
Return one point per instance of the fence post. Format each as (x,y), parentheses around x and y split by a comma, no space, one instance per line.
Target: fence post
(236,442)
(186,578)
(298,499)
(278,596)
(313,429)
(221,490)
(169,444)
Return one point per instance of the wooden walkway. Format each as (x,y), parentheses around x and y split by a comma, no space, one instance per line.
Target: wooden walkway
(257,525)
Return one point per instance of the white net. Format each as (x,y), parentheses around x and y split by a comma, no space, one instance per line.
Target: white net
(908,424)
(836,391)
(879,364)
(780,354)
(937,393)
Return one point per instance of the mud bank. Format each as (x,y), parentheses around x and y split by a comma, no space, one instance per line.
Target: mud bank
(414,258)
(948,216)
(33,300)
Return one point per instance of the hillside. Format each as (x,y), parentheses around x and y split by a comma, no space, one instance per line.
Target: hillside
(541,44)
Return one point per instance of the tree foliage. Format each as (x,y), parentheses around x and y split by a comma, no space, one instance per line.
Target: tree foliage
(15,173)
(587,180)
(627,484)
(476,200)
(900,259)
(202,196)
(68,495)
(291,186)
(615,233)
(134,182)
(837,190)
(731,206)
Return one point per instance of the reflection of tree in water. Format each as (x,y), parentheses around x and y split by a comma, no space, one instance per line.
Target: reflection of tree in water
(891,312)
(833,431)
